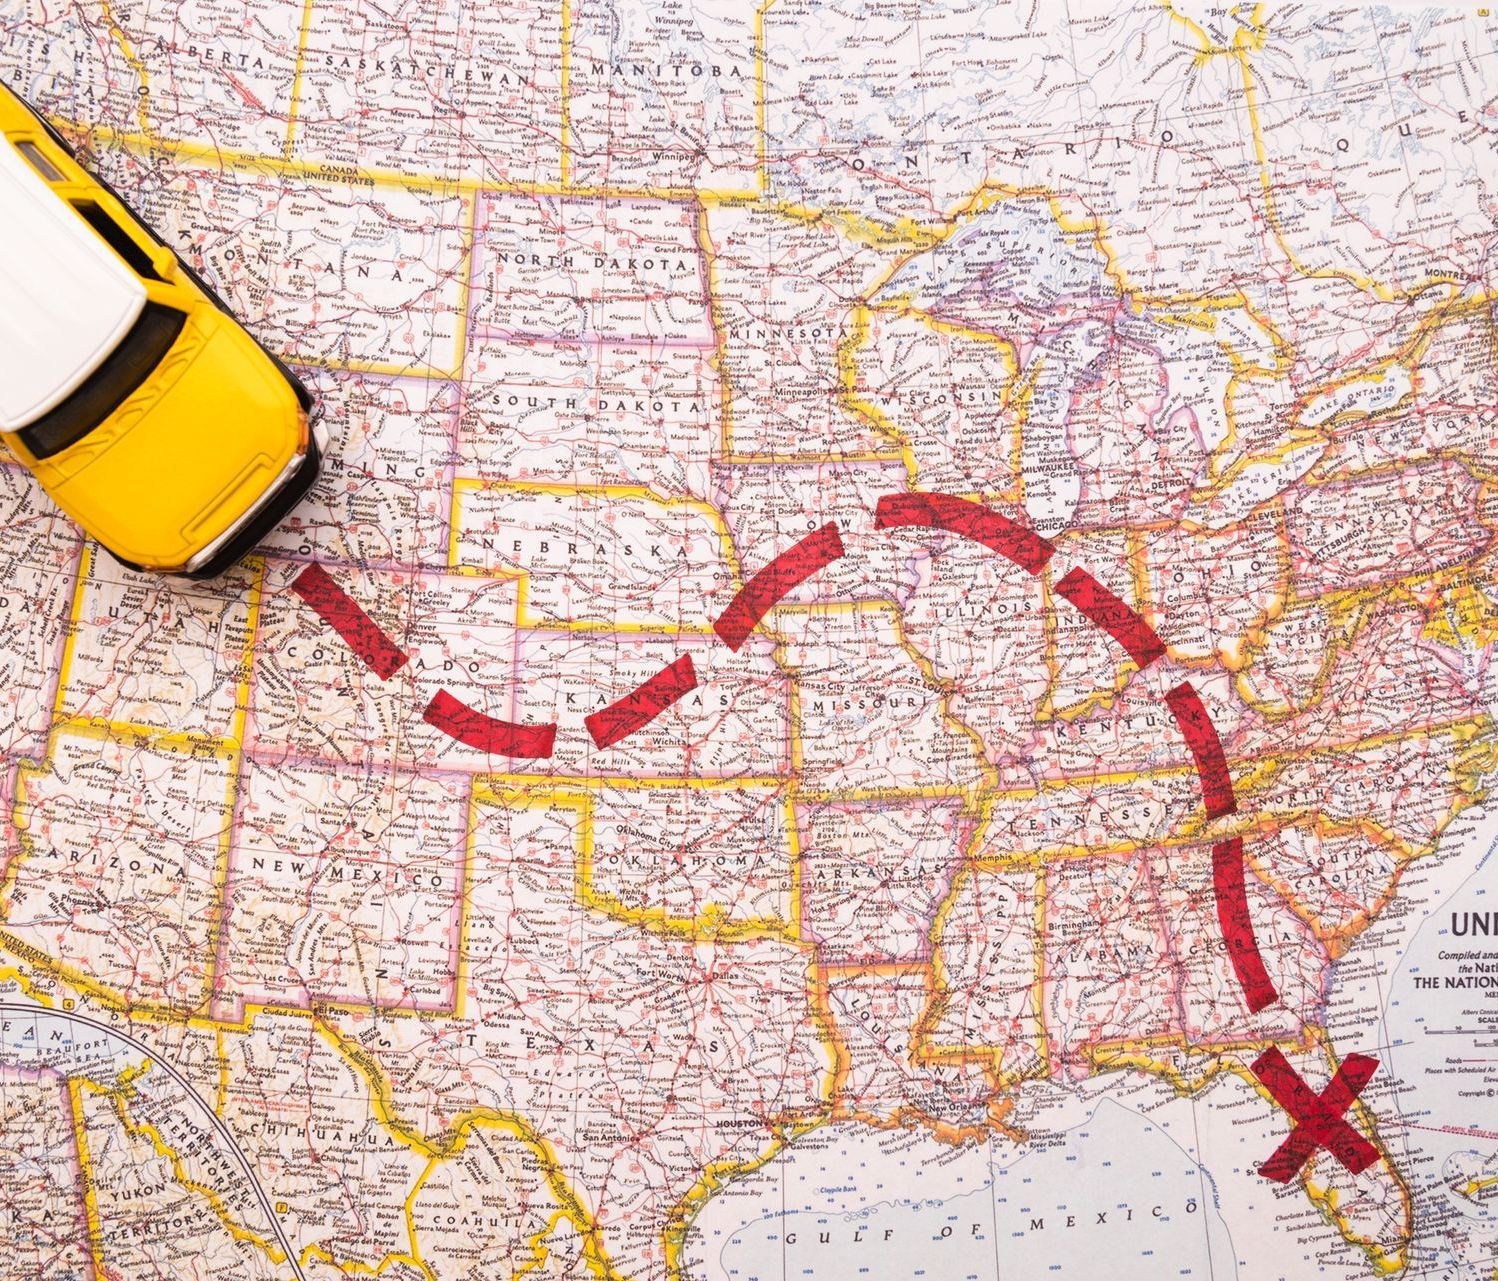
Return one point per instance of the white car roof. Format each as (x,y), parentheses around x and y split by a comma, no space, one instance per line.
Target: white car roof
(66,300)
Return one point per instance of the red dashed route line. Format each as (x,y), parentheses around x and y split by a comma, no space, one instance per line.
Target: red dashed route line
(488,733)
(342,613)
(1319,1123)
(1206,749)
(643,704)
(1014,542)
(1120,622)
(368,640)
(1236,923)
(775,581)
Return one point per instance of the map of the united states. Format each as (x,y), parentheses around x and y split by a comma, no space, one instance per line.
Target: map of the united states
(609,305)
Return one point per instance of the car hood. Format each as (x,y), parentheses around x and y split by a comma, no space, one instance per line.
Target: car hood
(177,466)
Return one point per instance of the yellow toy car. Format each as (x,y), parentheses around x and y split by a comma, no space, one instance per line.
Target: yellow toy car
(143,408)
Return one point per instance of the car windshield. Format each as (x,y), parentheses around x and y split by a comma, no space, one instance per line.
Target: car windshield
(107,388)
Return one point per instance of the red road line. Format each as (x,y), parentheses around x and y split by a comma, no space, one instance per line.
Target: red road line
(487,733)
(1319,1123)
(342,613)
(780,577)
(1206,749)
(1014,542)
(643,703)
(1113,616)
(1319,1120)
(1237,926)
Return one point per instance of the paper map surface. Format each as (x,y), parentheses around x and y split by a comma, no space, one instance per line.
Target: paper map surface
(890,674)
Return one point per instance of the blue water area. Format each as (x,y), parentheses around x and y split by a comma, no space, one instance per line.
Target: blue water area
(1115,1196)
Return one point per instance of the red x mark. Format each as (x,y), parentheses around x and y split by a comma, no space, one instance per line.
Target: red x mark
(1318,1116)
